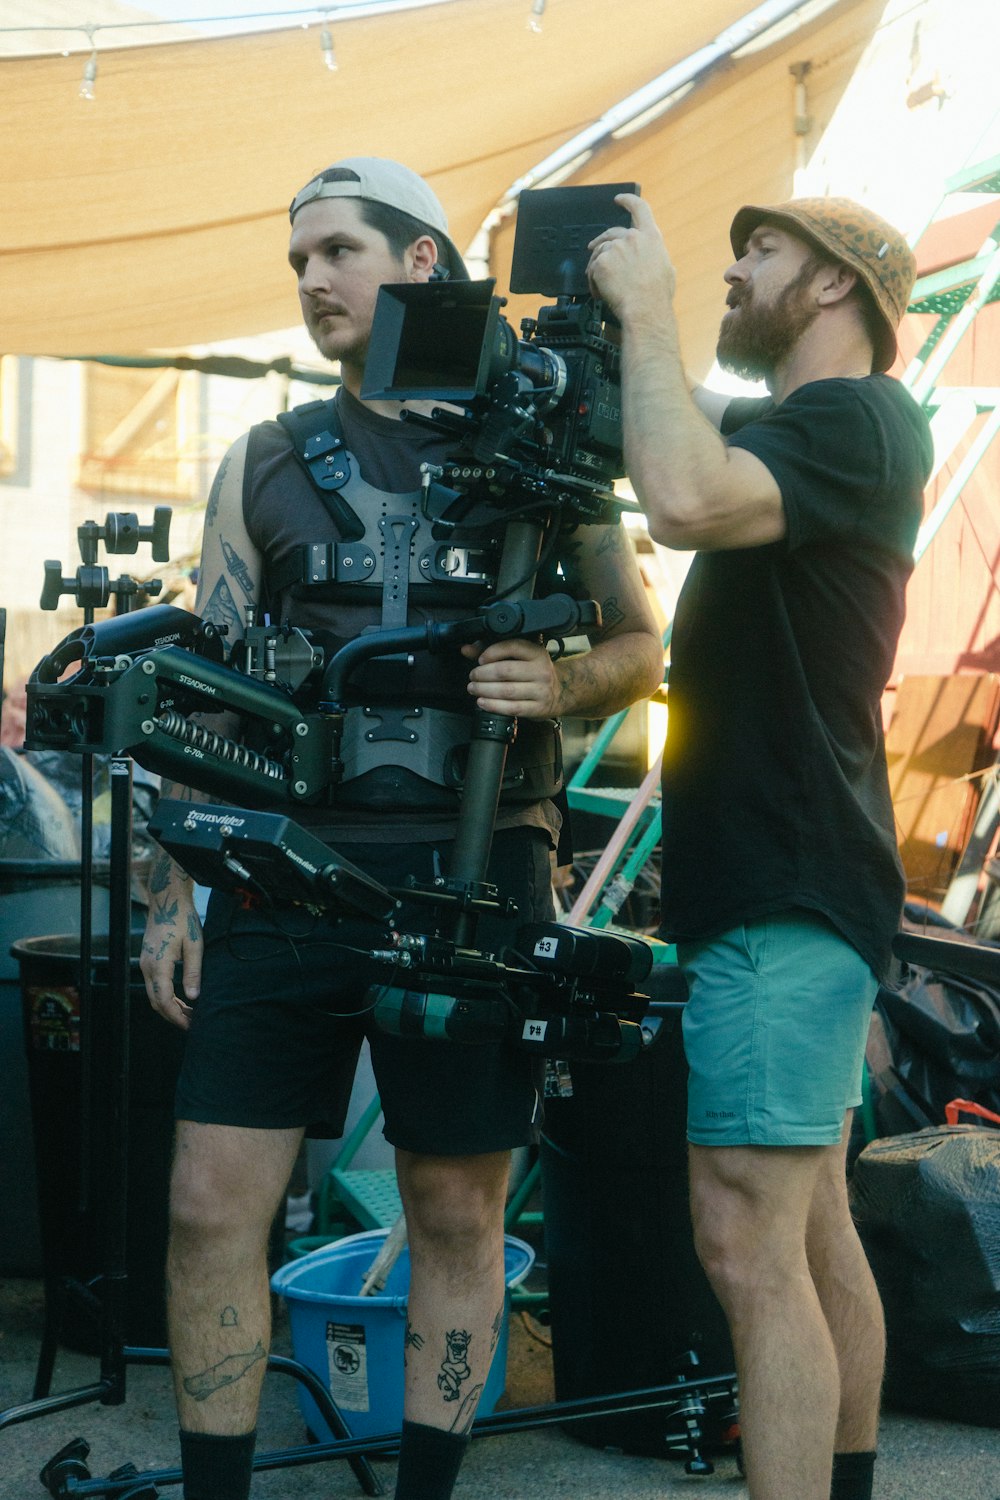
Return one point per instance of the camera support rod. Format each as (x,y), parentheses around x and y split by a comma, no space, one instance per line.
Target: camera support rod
(492,734)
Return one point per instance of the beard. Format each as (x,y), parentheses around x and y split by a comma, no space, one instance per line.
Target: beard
(761,336)
(337,347)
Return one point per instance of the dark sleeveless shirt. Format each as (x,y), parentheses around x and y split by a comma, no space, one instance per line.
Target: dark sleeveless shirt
(282,512)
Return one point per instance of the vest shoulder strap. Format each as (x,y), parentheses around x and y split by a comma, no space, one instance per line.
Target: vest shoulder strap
(318,443)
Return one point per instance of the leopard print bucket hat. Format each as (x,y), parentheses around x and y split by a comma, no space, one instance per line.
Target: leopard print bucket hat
(848,232)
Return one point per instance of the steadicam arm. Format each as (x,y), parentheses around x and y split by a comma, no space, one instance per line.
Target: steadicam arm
(138,680)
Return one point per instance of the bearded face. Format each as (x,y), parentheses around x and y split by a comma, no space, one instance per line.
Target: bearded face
(760,334)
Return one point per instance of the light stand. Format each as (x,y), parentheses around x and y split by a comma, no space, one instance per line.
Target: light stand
(92,588)
(105,1110)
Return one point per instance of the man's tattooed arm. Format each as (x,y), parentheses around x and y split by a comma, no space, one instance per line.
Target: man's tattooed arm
(625,660)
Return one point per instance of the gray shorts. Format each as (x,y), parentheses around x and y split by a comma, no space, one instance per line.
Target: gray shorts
(774,1030)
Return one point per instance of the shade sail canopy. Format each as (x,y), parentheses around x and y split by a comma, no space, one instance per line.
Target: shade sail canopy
(155,215)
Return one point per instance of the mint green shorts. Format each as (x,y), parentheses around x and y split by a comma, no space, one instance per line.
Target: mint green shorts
(774,1030)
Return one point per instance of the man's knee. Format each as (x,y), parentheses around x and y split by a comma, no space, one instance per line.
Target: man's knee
(453,1200)
(221,1186)
(726,1254)
(749,1209)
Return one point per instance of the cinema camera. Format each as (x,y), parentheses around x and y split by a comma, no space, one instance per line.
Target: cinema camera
(542,414)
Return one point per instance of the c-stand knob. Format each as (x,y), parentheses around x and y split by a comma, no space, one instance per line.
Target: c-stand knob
(122,532)
(91,588)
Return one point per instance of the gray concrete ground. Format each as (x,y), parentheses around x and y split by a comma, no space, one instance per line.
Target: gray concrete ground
(919,1459)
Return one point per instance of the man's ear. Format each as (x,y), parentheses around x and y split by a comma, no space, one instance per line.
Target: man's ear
(421,258)
(837,281)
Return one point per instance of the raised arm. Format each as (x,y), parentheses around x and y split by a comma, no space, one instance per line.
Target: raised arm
(711,404)
(696,491)
(228,581)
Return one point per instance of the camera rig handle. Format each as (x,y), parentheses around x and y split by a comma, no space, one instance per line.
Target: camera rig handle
(122,533)
(91,586)
(505,619)
(560,991)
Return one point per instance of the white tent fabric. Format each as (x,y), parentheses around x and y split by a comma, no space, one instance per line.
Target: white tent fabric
(155,215)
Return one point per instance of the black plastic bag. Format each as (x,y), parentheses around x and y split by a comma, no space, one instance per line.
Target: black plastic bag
(35,822)
(927,1207)
(935,1039)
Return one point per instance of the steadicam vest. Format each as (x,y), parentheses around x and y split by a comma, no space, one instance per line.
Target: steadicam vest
(363,559)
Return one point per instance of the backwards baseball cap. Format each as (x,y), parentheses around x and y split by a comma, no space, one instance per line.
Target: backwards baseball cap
(389,182)
(850,233)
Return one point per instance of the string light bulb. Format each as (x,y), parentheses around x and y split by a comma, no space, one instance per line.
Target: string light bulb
(326,44)
(89,68)
(537,12)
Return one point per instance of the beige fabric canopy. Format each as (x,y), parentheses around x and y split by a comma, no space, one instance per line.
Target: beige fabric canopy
(155,216)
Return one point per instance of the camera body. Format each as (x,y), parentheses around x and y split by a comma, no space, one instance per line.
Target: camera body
(541,413)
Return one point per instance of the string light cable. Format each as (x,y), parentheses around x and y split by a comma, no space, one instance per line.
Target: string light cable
(89,68)
(348,10)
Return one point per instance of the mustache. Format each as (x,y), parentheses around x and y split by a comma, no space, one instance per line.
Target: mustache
(736,295)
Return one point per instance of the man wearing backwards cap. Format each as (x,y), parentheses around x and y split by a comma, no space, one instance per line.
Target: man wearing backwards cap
(274,1039)
(781,882)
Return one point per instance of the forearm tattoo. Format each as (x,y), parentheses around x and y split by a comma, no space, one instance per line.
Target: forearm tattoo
(611,539)
(611,613)
(159,875)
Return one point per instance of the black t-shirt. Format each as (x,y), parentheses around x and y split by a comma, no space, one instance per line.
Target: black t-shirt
(775,787)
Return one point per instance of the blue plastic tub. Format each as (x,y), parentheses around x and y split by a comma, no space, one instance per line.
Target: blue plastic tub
(355,1344)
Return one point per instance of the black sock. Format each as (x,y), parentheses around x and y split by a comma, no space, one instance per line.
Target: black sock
(215,1467)
(853,1474)
(429,1461)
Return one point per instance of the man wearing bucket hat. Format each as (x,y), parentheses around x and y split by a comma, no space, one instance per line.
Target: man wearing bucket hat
(781,882)
(276,1018)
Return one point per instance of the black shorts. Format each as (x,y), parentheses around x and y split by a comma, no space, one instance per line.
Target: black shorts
(284,1005)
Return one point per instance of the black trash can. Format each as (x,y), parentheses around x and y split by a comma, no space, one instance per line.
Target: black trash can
(628,1298)
(37,896)
(73,1227)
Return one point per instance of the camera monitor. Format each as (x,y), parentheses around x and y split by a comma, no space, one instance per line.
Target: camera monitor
(554,228)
